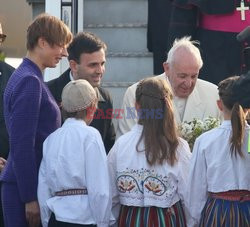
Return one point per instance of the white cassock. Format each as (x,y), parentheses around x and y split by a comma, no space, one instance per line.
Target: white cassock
(200,104)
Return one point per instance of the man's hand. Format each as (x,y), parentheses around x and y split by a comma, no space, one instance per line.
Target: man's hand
(2,163)
(32,212)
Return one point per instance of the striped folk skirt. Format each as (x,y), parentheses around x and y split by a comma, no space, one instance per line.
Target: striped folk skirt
(225,213)
(131,216)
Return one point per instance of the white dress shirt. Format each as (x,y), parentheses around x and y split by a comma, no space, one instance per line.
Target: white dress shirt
(214,169)
(135,183)
(74,157)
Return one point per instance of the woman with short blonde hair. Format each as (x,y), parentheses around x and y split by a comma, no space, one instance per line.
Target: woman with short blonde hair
(31,114)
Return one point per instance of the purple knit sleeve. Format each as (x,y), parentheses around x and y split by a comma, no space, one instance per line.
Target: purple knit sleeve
(26,101)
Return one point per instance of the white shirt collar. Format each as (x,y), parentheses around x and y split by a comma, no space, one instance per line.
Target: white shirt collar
(74,121)
(227,124)
(71,76)
(137,128)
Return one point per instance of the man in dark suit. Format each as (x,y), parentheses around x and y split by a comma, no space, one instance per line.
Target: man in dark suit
(87,61)
(5,73)
(157,32)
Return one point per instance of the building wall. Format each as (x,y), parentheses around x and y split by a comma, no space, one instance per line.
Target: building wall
(15,16)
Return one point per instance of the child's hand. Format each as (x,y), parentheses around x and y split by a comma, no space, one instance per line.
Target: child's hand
(2,163)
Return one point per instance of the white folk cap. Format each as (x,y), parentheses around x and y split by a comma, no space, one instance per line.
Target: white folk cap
(78,95)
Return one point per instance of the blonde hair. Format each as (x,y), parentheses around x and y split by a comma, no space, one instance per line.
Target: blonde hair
(52,29)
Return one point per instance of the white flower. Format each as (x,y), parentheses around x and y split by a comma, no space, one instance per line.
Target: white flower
(191,130)
(186,128)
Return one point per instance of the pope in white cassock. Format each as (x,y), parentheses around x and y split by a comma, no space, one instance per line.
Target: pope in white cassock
(193,97)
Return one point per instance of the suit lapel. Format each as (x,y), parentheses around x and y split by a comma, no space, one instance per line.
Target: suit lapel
(176,114)
(61,83)
(65,78)
(195,108)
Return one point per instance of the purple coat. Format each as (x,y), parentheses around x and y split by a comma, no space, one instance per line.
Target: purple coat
(31,114)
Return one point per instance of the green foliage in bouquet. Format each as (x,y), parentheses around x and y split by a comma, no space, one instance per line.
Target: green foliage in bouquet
(2,56)
(193,129)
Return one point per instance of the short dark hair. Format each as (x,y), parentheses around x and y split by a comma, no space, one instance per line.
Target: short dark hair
(52,29)
(235,92)
(79,115)
(84,42)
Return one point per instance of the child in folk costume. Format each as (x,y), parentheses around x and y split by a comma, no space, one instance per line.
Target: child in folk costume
(73,185)
(219,180)
(149,165)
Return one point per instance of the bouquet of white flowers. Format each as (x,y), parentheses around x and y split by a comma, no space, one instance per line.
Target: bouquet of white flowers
(191,130)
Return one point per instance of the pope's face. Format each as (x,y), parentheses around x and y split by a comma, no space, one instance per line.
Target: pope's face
(182,75)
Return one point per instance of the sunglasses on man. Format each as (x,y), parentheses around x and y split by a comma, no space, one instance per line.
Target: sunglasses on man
(2,38)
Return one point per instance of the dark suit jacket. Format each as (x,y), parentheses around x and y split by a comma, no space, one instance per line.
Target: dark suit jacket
(157,33)
(104,126)
(5,73)
(158,22)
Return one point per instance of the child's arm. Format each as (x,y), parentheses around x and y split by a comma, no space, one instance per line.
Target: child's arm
(97,178)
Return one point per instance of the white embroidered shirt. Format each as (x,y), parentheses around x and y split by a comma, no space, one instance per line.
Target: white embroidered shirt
(73,158)
(135,183)
(214,169)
